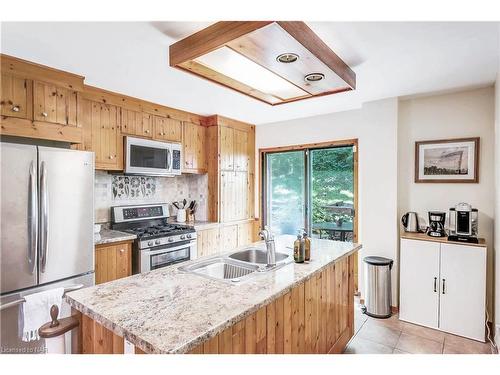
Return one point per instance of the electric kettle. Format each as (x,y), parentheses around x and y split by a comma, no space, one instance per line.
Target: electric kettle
(410,222)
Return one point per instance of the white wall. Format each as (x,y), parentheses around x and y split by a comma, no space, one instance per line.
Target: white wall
(375,126)
(456,115)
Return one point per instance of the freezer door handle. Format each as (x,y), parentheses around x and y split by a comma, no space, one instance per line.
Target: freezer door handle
(32,219)
(44,217)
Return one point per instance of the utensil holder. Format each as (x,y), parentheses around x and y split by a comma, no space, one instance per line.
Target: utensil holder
(181,215)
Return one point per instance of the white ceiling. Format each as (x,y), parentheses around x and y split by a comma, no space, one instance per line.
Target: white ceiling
(390,59)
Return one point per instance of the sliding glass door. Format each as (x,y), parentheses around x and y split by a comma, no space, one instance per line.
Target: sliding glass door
(311,188)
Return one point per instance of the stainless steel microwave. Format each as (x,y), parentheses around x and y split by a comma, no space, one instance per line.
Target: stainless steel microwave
(154,158)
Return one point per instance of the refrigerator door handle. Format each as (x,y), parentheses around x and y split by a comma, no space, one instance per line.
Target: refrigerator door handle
(44,217)
(32,218)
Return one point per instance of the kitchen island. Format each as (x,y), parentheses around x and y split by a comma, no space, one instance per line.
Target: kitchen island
(299,308)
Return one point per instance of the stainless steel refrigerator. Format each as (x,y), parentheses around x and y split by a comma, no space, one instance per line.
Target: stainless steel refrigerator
(46,229)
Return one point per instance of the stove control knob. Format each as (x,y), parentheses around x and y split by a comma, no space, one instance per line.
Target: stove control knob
(157,242)
(150,243)
(170,239)
(188,235)
(183,237)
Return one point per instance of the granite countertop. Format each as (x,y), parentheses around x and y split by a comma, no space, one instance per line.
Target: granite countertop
(168,311)
(109,236)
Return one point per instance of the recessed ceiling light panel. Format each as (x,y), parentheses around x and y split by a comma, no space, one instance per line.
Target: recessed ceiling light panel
(287,58)
(314,77)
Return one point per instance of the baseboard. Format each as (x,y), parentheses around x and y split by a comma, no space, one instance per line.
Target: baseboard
(394,309)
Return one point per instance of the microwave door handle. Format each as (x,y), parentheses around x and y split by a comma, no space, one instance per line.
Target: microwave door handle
(169,158)
(32,218)
(44,217)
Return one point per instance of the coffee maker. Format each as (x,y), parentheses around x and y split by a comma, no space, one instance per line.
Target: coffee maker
(463,223)
(436,224)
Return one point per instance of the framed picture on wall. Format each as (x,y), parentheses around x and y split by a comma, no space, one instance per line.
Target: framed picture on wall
(445,161)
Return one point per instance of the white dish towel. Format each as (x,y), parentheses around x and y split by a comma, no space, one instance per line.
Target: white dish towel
(36,311)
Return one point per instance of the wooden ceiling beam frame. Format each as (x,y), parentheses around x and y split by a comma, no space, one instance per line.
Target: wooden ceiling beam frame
(210,38)
(305,36)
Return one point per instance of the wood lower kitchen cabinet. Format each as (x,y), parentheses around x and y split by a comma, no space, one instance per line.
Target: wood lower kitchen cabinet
(443,285)
(208,241)
(113,261)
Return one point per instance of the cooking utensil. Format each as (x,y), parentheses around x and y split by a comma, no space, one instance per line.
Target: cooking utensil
(176,205)
(184,202)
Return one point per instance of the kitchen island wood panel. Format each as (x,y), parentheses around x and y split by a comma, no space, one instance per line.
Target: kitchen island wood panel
(315,317)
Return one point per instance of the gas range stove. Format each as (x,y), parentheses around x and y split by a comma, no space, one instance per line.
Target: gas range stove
(160,233)
(158,242)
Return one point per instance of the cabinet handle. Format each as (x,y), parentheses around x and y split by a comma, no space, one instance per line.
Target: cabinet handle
(111,157)
(122,250)
(45,114)
(435,284)
(15,108)
(444,287)
(146,131)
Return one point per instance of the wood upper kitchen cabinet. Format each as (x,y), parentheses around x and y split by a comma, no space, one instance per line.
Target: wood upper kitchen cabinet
(146,127)
(231,169)
(101,127)
(15,100)
(194,148)
(131,122)
(167,129)
(38,101)
(440,278)
(54,104)
(113,261)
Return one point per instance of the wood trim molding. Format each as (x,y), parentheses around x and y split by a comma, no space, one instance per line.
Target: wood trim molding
(210,38)
(317,145)
(30,70)
(477,154)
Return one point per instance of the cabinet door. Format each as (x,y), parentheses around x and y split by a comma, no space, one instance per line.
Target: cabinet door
(241,156)
(123,254)
(193,141)
(463,290)
(14,97)
(226,148)
(419,282)
(131,121)
(227,197)
(167,129)
(240,195)
(208,242)
(245,233)
(54,104)
(146,128)
(229,237)
(112,262)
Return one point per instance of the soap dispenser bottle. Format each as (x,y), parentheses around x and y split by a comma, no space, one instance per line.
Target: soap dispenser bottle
(298,249)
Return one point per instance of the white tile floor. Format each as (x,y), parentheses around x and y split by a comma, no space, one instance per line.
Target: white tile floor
(393,336)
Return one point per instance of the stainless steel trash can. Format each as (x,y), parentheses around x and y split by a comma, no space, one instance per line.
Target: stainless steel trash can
(377,287)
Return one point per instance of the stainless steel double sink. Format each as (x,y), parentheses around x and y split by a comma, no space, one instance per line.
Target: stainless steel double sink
(236,267)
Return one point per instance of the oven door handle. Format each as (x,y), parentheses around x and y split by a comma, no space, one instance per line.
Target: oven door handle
(169,249)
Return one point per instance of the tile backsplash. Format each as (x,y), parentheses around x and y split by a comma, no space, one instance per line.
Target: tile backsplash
(119,190)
